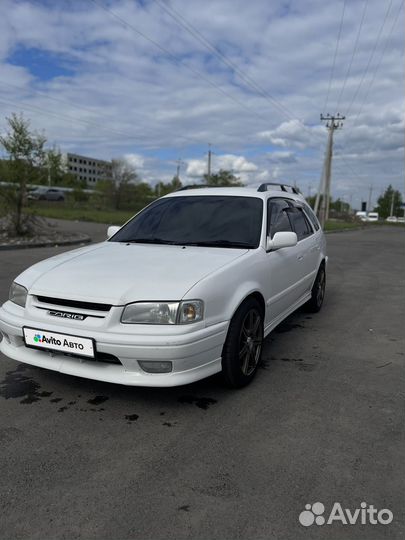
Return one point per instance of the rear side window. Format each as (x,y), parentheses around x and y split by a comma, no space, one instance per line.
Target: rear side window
(312,217)
(299,223)
(277,217)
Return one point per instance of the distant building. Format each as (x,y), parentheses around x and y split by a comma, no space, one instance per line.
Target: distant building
(90,169)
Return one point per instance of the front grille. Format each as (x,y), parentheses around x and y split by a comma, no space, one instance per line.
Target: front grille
(98,357)
(106,357)
(74,303)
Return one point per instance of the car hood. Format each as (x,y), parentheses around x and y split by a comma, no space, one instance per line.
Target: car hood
(118,273)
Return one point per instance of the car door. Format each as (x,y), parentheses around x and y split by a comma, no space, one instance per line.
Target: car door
(283,265)
(307,248)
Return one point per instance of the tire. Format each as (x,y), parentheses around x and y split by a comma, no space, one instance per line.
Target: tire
(243,346)
(314,304)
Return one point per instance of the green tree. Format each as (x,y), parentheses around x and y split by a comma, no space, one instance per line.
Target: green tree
(119,191)
(162,189)
(223,178)
(340,206)
(26,156)
(56,171)
(390,198)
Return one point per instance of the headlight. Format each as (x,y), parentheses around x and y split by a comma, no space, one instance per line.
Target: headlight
(163,312)
(18,294)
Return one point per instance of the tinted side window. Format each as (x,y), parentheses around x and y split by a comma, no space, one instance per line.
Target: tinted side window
(277,217)
(312,217)
(299,223)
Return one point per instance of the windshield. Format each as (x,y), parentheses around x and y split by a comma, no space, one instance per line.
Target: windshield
(217,221)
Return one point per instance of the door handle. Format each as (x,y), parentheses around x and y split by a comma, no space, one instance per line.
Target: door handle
(300,257)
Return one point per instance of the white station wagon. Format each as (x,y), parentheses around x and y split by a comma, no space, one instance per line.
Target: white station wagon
(187,288)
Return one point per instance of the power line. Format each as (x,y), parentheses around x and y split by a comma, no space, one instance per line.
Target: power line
(251,83)
(127,136)
(35,108)
(177,61)
(334,56)
(174,58)
(369,86)
(353,54)
(182,22)
(370,58)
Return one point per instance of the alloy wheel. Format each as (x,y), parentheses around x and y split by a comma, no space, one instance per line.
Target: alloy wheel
(250,341)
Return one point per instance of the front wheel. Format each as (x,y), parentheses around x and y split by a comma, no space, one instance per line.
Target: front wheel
(314,304)
(243,345)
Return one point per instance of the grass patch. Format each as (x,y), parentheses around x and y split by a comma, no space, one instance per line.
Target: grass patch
(110,217)
(341,225)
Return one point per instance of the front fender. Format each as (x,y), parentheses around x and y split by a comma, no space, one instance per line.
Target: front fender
(224,290)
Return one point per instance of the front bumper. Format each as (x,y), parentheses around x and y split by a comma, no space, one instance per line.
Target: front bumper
(195,354)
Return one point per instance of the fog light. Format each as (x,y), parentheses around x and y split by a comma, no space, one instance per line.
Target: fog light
(156,367)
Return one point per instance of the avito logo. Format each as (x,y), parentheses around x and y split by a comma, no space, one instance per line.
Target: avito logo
(366,514)
(50,340)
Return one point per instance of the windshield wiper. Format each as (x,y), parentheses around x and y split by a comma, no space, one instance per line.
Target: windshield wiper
(220,243)
(150,241)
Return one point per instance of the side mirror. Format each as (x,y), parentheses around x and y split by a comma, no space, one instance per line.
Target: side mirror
(112,229)
(281,240)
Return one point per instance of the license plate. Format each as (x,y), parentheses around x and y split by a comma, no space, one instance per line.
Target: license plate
(43,339)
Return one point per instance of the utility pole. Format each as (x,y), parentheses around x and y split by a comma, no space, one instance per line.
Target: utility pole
(332,123)
(392,203)
(179,163)
(370,193)
(48,166)
(209,162)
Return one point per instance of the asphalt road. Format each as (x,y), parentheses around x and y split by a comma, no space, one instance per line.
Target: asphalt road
(322,422)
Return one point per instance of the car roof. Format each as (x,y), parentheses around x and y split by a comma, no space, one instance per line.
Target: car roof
(237,192)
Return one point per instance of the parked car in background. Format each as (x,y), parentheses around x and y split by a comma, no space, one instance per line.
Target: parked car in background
(46,194)
(391,219)
(401,220)
(362,216)
(187,288)
(367,216)
(372,216)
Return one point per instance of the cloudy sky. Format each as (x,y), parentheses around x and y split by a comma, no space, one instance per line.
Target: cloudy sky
(158,80)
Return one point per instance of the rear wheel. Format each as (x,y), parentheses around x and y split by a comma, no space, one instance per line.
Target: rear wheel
(318,291)
(243,346)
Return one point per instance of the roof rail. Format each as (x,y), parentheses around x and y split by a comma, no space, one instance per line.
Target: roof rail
(193,186)
(284,187)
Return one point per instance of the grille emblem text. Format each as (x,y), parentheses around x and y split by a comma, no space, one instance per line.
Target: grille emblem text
(67,315)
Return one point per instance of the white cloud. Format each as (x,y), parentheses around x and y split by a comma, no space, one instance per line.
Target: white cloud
(123,96)
(282,157)
(136,160)
(293,133)
(196,168)
(239,165)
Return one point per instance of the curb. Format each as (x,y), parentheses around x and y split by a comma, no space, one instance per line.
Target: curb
(84,240)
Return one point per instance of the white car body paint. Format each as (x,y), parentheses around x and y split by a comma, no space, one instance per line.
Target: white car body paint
(117,274)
